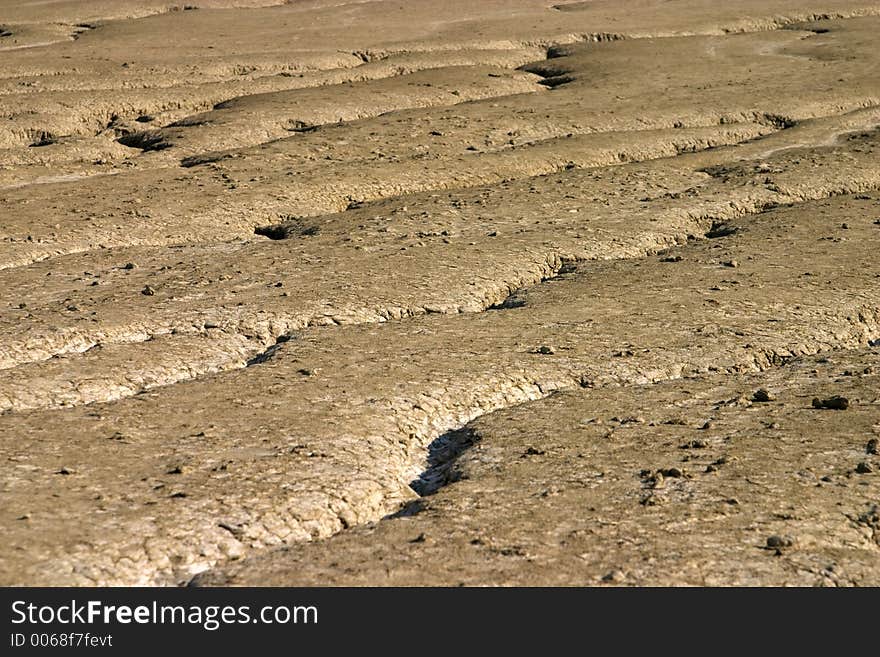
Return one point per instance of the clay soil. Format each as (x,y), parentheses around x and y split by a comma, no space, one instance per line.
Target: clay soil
(514,292)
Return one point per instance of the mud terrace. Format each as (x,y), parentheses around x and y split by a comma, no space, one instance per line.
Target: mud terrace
(402,293)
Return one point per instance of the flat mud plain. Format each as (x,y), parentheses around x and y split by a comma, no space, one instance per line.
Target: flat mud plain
(407,293)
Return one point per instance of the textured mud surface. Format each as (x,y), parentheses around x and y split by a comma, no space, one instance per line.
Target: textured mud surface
(440,293)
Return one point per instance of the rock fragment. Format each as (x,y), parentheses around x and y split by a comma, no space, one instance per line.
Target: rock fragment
(836,403)
(762,395)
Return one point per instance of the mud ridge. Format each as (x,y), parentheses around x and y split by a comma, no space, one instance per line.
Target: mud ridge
(709,223)
(453,439)
(444,451)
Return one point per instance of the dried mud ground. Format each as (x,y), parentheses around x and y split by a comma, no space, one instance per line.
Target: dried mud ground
(494,293)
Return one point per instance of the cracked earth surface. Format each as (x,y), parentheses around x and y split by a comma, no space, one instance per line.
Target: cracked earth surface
(500,293)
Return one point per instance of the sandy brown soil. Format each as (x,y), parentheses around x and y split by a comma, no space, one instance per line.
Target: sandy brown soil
(508,292)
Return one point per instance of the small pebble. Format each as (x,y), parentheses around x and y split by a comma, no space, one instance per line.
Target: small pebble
(148,291)
(777,541)
(762,395)
(864,468)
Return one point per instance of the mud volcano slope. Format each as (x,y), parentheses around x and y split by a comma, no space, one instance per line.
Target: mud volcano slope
(560,293)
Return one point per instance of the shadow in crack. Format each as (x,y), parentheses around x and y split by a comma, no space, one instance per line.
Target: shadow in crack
(443,455)
(513,300)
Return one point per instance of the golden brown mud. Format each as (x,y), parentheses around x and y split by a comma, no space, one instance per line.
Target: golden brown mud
(437,293)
